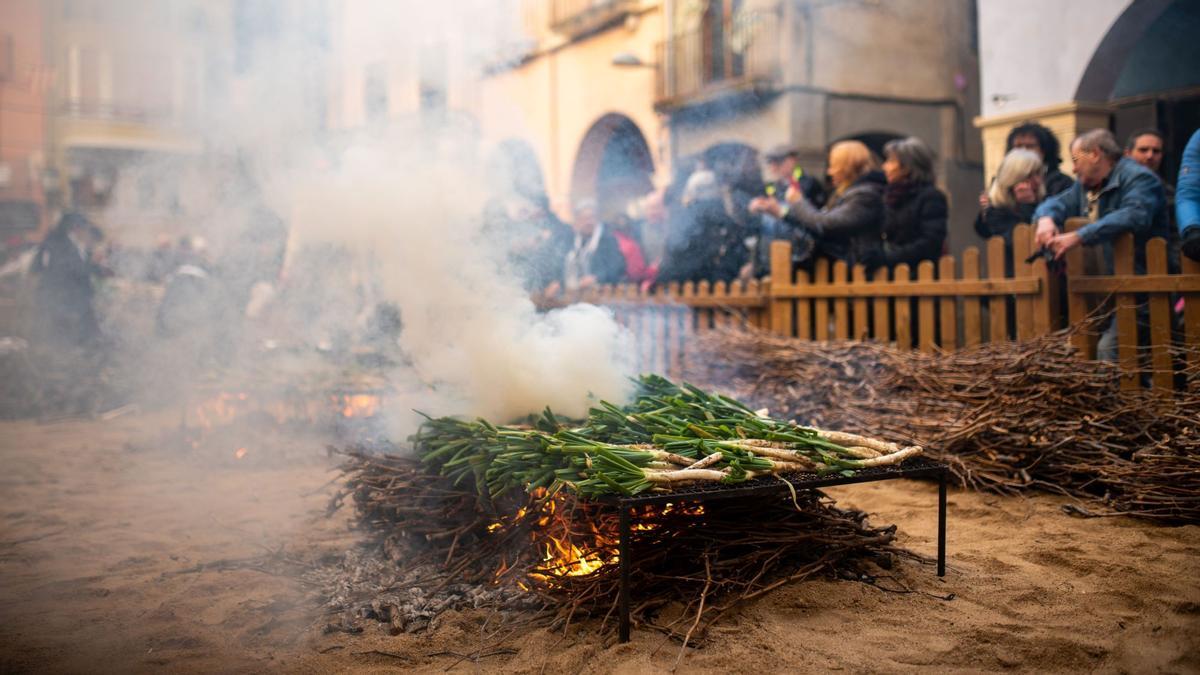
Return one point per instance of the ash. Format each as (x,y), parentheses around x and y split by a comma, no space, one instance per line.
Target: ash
(371,584)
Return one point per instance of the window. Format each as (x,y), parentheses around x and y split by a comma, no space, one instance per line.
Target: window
(375,93)
(433,79)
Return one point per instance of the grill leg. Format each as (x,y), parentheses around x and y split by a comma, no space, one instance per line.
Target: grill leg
(941,563)
(623,553)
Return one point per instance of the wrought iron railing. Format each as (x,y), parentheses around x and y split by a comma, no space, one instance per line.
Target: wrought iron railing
(576,17)
(745,50)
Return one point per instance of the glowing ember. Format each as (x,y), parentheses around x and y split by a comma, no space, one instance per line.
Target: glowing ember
(240,453)
(359,405)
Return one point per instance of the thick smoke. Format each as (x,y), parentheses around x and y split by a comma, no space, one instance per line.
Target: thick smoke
(470,329)
(385,213)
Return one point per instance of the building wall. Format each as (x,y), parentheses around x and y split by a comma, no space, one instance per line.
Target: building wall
(24,78)
(1033,53)
(564,87)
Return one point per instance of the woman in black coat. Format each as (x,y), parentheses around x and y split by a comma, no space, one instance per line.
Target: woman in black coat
(849,225)
(1014,195)
(914,224)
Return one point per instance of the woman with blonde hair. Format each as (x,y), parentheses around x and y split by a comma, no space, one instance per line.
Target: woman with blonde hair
(850,221)
(1015,193)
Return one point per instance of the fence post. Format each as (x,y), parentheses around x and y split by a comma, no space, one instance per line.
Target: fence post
(1126,317)
(1077,306)
(1160,320)
(780,308)
(1025,304)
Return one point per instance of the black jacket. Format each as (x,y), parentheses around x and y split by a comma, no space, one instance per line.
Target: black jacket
(914,228)
(850,224)
(607,264)
(1056,182)
(708,246)
(65,291)
(999,221)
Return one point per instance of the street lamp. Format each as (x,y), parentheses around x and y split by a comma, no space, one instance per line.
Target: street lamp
(630,60)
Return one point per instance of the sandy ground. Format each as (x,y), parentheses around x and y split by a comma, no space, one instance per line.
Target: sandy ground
(108,544)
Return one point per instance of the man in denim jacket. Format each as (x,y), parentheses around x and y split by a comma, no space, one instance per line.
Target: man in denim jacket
(1117,195)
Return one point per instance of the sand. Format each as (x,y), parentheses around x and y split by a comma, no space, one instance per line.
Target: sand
(110,551)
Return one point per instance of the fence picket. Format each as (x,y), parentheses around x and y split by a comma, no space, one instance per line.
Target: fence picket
(703,314)
(821,305)
(997,304)
(804,329)
(782,279)
(903,308)
(1126,318)
(720,291)
(972,322)
(1160,320)
(882,329)
(925,314)
(1022,247)
(841,307)
(948,308)
(861,327)
(1077,305)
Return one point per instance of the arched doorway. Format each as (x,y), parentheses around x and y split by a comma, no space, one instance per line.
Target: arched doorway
(614,165)
(874,140)
(1147,68)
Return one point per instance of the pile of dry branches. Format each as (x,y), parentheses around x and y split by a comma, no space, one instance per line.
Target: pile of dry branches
(1006,416)
(690,567)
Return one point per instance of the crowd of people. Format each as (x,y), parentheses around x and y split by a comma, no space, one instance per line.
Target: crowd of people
(877,211)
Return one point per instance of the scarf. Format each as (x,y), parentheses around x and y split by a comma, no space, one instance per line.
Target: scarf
(897,193)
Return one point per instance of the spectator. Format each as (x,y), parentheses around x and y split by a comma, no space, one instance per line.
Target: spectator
(1117,195)
(625,231)
(849,225)
(1145,146)
(1016,191)
(707,244)
(914,224)
(594,257)
(64,289)
(784,177)
(1037,138)
(785,173)
(536,239)
(1187,198)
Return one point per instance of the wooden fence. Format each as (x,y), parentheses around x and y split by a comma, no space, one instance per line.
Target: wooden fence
(956,303)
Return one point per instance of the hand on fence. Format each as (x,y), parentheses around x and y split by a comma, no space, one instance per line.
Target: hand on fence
(1046,230)
(1063,243)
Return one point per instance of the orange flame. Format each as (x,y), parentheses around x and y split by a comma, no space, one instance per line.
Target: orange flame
(359,405)
(240,453)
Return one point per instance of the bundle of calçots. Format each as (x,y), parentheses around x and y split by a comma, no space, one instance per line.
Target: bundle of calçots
(670,435)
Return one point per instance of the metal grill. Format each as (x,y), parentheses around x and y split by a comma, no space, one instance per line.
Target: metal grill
(760,487)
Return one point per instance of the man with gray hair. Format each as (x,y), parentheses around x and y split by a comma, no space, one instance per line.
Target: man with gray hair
(1117,195)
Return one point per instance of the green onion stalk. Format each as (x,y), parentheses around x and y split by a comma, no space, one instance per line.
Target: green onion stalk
(670,435)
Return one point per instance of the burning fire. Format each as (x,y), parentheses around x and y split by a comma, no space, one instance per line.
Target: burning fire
(576,547)
(358,405)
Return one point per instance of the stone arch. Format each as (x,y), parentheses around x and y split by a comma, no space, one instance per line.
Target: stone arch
(613,165)
(1122,39)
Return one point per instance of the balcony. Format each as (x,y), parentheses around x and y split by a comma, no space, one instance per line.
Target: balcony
(576,18)
(743,56)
